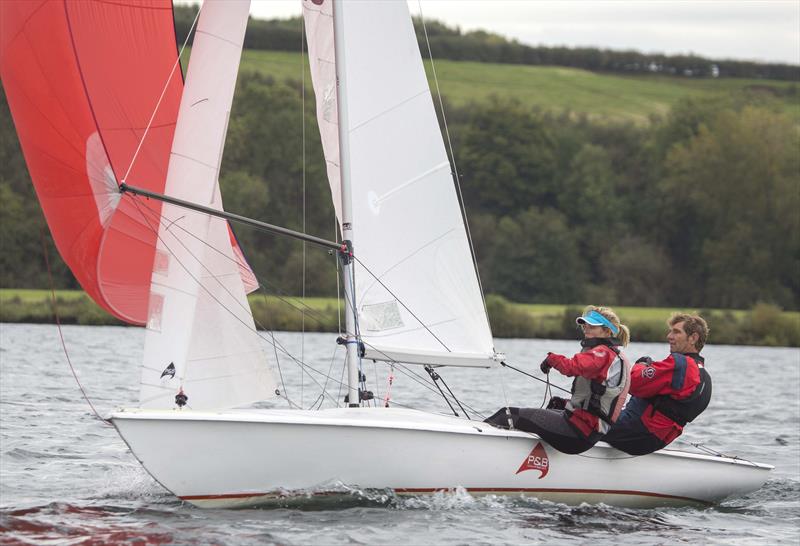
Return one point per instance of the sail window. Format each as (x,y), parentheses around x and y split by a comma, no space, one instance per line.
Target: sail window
(378,317)
(154,311)
(161,262)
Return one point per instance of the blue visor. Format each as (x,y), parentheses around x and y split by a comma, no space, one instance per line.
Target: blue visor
(593,318)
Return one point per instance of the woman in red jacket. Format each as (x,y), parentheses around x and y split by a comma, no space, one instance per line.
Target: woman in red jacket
(602,377)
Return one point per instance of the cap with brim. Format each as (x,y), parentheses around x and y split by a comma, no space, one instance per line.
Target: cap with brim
(593,318)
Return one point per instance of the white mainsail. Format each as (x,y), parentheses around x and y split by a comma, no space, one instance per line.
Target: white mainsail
(200,333)
(417,293)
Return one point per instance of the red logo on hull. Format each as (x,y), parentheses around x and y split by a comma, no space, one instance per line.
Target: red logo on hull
(536,460)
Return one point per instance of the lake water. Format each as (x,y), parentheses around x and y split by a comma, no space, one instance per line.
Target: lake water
(67,478)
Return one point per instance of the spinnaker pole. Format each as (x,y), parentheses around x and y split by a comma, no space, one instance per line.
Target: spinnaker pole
(348,264)
(262,226)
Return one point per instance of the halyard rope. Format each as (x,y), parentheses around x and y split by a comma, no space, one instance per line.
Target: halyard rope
(158,103)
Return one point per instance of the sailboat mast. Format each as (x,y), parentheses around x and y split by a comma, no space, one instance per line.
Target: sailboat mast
(348,265)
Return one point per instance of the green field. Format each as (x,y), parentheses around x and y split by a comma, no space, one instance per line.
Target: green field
(763,325)
(601,97)
(635,313)
(535,310)
(30,295)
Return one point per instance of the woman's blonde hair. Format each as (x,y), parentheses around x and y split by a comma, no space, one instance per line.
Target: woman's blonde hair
(624,335)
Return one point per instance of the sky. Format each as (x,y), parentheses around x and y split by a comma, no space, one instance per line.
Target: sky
(760,30)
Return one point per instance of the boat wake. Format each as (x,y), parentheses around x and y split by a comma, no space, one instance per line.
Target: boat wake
(783,491)
(536,511)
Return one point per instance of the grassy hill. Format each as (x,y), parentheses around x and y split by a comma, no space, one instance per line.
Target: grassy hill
(602,97)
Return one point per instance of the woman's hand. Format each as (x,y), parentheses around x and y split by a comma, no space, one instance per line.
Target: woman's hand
(544,366)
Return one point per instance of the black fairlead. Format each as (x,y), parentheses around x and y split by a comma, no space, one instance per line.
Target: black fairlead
(181,399)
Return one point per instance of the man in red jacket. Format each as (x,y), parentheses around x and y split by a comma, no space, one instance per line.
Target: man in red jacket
(667,394)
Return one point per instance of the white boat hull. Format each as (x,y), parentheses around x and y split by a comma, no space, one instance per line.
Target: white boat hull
(242,458)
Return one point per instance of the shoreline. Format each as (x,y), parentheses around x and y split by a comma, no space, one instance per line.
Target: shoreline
(763,325)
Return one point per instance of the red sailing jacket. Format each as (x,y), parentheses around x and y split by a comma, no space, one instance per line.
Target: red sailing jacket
(592,363)
(657,379)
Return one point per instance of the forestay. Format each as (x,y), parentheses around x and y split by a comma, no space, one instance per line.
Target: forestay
(199,321)
(417,294)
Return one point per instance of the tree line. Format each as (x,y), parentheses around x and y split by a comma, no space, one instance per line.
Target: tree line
(481,46)
(697,209)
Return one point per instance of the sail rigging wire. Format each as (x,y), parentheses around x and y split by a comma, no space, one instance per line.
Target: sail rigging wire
(710,451)
(280,294)
(418,378)
(321,396)
(338,281)
(161,219)
(172,224)
(434,378)
(278,346)
(452,158)
(341,380)
(401,303)
(274,342)
(206,210)
(163,92)
(362,378)
(377,382)
(358,336)
(506,365)
(278,363)
(403,369)
(505,399)
(303,128)
(60,331)
(218,213)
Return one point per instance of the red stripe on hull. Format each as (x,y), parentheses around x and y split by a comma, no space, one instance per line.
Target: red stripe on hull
(469,490)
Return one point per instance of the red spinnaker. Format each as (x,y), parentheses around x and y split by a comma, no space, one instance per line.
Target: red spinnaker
(82,80)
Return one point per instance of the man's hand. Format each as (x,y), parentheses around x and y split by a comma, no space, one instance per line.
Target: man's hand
(557,403)
(646,360)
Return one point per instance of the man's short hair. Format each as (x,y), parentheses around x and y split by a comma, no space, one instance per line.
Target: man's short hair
(692,324)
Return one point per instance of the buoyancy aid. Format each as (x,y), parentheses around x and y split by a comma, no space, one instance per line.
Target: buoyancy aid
(603,399)
(686,410)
